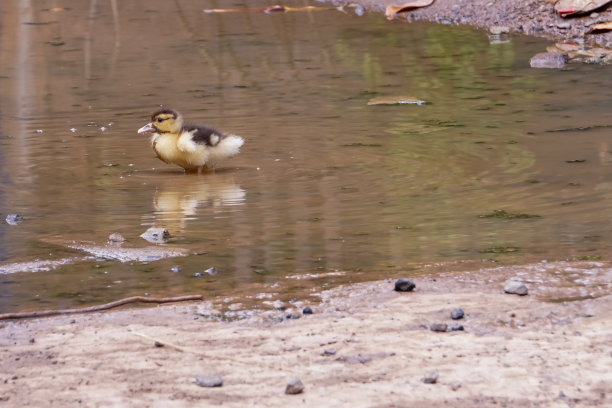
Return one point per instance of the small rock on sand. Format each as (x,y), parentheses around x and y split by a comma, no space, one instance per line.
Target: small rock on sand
(457,314)
(431,378)
(307,310)
(404,285)
(209,380)
(439,327)
(294,386)
(515,287)
(156,235)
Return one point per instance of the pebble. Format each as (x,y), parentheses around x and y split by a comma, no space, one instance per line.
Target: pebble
(457,314)
(498,30)
(209,380)
(156,235)
(515,287)
(439,327)
(175,269)
(563,26)
(294,386)
(548,60)
(307,310)
(457,328)
(404,285)
(13,219)
(431,378)
(115,237)
(329,352)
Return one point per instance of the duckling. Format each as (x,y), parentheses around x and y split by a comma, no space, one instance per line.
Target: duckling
(194,148)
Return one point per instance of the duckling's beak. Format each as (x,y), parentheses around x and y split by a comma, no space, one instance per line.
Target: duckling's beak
(148,128)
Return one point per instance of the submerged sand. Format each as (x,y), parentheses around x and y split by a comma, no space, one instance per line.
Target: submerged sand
(365,345)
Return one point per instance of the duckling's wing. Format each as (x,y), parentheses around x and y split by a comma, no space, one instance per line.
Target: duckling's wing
(191,136)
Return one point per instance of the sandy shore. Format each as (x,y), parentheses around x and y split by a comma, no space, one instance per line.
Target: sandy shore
(365,345)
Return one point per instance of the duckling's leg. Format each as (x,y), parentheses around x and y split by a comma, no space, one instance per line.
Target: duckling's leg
(205,169)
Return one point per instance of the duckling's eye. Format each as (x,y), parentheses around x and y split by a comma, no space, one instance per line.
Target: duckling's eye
(159,120)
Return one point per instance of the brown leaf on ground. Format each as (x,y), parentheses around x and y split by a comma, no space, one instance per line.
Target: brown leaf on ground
(392,10)
(571,7)
(600,27)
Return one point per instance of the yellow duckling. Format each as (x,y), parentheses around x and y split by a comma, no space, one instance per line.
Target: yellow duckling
(194,148)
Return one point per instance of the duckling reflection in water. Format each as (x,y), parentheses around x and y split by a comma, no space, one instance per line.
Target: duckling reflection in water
(194,148)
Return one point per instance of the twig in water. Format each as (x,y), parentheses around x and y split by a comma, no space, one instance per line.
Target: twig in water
(106,306)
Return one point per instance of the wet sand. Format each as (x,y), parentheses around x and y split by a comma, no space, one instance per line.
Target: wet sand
(365,345)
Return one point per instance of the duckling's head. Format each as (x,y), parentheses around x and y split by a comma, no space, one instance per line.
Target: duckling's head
(163,121)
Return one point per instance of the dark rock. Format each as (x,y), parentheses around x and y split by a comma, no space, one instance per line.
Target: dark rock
(431,378)
(32,340)
(457,314)
(293,316)
(156,235)
(515,287)
(329,352)
(209,380)
(548,60)
(457,328)
(439,327)
(294,386)
(14,219)
(307,310)
(404,285)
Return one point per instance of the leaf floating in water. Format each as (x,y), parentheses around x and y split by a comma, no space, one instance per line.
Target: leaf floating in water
(392,10)
(270,9)
(396,100)
(503,214)
(499,250)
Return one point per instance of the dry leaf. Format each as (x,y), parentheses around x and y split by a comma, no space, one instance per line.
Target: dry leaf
(270,9)
(395,100)
(570,7)
(605,26)
(392,10)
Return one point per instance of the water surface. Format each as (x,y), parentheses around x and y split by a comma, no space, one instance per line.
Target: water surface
(326,188)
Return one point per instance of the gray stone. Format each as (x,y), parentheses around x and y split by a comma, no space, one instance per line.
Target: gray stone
(404,285)
(156,235)
(211,271)
(307,310)
(431,378)
(14,219)
(548,60)
(294,386)
(498,30)
(209,380)
(457,314)
(515,287)
(439,327)
(115,237)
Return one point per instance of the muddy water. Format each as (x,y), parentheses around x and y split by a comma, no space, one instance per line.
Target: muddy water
(327,188)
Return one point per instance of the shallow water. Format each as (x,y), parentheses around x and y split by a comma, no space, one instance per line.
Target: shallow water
(326,188)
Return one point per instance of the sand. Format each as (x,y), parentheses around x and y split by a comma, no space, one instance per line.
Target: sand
(365,345)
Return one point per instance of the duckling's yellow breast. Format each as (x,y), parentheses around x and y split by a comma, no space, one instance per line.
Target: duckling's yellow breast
(168,149)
